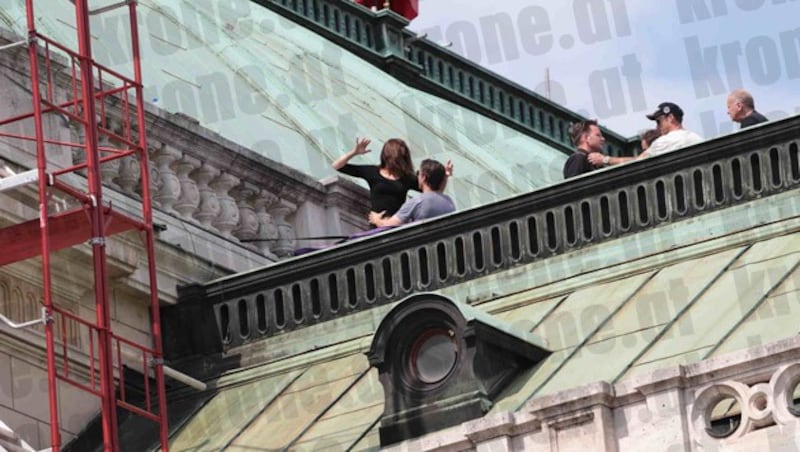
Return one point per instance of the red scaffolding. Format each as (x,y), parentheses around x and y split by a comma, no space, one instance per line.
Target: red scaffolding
(92,92)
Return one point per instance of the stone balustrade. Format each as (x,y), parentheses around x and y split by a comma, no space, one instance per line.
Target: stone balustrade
(221,202)
(203,186)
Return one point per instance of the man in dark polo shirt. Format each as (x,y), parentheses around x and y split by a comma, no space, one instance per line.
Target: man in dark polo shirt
(742,109)
(588,138)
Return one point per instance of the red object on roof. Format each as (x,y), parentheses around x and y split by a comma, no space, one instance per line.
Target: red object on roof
(406,8)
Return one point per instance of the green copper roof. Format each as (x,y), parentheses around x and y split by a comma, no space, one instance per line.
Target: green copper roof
(273,86)
(715,292)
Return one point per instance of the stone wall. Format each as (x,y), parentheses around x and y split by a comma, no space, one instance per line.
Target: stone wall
(743,401)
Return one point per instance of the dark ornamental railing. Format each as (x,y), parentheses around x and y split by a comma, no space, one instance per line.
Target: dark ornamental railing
(381,39)
(466,245)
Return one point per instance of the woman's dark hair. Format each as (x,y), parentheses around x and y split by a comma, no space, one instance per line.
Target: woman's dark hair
(648,136)
(396,158)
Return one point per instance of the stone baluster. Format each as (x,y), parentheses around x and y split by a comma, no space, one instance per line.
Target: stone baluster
(228,216)
(285,244)
(169,187)
(109,170)
(248,222)
(208,209)
(155,181)
(189,200)
(267,233)
(129,172)
(77,135)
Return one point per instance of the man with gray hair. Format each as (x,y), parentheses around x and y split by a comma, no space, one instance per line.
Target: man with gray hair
(742,109)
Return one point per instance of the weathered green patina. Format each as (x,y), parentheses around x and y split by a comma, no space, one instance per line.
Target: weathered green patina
(608,312)
(269,84)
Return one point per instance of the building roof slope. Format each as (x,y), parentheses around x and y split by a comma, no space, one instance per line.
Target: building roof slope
(264,82)
(608,312)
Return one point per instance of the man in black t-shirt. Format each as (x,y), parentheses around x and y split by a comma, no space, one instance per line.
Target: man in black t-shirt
(742,109)
(588,138)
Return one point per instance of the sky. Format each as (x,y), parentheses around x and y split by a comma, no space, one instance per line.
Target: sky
(616,60)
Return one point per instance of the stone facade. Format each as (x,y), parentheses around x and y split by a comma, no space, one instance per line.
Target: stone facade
(749,396)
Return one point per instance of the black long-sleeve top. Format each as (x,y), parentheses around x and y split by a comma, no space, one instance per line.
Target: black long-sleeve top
(385,194)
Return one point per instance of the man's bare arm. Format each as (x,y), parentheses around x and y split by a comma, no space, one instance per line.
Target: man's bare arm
(598,159)
(378,220)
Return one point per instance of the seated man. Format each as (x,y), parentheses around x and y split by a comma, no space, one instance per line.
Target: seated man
(432,178)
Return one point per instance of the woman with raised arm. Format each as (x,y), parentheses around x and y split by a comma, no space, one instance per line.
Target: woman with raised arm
(388,182)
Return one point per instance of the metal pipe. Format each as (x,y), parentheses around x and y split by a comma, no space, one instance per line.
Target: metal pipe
(103,9)
(13,44)
(17,326)
(147,217)
(44,229)
(131,358)
(185,379)
(15,180)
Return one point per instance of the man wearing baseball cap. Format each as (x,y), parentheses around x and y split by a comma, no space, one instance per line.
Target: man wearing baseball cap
(669,121)
(668,118)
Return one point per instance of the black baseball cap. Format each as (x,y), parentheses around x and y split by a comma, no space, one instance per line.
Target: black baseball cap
(666,108)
